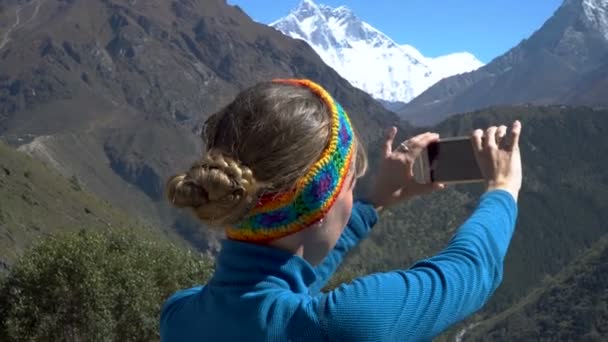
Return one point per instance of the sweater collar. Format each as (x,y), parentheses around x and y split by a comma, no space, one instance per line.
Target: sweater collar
(242,264)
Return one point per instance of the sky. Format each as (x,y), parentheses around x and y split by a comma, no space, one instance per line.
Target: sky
(485,28)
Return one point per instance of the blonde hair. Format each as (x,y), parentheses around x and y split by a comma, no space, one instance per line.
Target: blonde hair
(264,141)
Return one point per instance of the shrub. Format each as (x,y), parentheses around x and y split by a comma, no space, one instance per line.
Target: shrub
(94,286)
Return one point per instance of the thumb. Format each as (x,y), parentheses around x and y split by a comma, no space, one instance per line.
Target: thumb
(388,142)
(514,136)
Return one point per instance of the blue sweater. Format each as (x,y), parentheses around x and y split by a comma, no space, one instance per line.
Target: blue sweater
(261,293)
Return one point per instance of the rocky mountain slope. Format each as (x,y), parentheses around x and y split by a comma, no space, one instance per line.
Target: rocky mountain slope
(114,91)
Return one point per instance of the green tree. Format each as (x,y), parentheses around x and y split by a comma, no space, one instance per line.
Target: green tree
(94,286)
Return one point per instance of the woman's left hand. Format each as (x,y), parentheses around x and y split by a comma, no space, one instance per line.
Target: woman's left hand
(395,181)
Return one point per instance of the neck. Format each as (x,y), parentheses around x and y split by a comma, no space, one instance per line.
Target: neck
(304,243)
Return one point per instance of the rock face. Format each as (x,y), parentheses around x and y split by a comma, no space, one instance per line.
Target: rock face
(114,91)
(564,62)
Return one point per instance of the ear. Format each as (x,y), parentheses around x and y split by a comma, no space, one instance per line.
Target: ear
(352,181)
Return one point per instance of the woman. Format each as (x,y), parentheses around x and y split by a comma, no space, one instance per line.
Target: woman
(278,175)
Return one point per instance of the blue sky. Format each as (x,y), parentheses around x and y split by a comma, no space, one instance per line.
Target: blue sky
(486,28)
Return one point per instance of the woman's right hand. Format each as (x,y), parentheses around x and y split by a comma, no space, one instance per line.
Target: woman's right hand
(499,157)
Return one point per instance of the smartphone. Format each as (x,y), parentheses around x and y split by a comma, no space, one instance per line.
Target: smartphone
(449,161)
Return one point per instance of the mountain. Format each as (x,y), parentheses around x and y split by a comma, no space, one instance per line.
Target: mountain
(568,307)
(114,92)
(366,57)
(558,64)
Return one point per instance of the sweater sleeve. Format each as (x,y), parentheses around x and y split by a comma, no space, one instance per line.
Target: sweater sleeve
(420,303)
(361,221)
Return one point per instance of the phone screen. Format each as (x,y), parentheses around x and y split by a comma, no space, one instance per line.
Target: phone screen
(453,160)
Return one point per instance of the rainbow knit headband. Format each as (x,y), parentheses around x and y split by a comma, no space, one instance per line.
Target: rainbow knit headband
(279,214)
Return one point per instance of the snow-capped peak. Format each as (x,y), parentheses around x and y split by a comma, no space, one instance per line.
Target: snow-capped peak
(306,9)
(365,56)
(596,12)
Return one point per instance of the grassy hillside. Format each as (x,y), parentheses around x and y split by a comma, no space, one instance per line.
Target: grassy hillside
(572,306)
(36,201)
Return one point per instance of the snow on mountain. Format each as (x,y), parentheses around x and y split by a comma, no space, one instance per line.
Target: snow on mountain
(596,12)
(366,57)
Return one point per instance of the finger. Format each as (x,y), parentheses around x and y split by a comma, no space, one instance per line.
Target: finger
(476,139)
(416,138)
(420,142)
(388,141)
(515,134)
(501,132)
(490,137)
